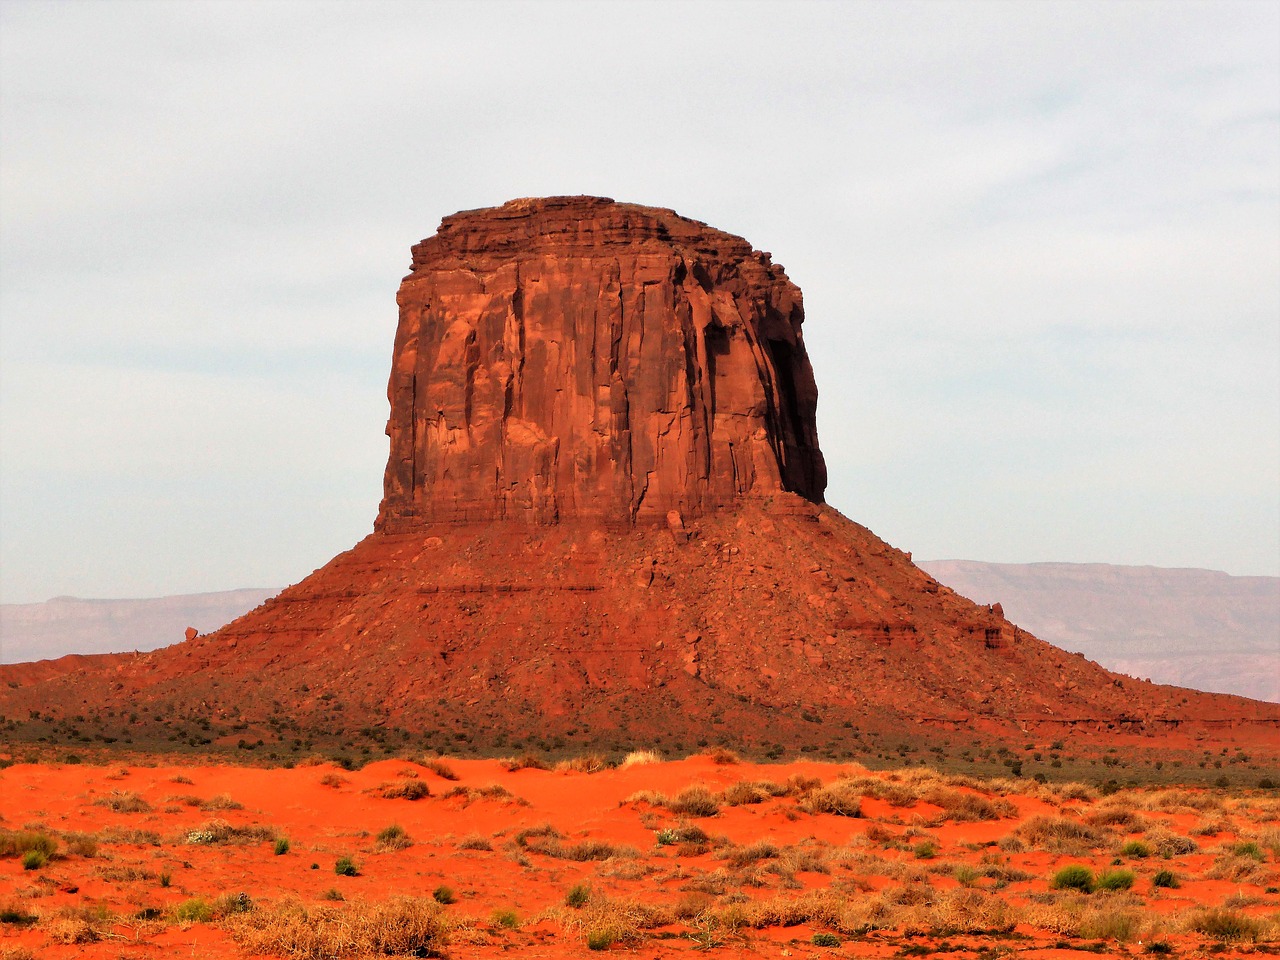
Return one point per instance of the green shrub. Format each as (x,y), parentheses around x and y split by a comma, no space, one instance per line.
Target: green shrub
(166,879)
(506,919)
(1116,880)
(1074,877)
(601,938)
(577,896)
(1248,849)
(33,860)
(443,894)
(825,940)
(25,841)
(1136,848)
(1166,879)
(393,838)
(195,910)
(282,846)
(346,867)
(925,850)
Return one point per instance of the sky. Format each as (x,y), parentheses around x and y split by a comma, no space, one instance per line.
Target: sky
(1039,245)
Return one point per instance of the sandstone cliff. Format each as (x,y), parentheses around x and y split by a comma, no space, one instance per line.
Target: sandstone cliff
(573,356)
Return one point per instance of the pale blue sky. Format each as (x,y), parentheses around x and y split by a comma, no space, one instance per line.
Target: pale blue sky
(1039,245)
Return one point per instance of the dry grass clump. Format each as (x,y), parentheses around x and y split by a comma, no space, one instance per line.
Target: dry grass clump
(494,791)
(588,763)
(334,780)
(118,835)
(222,801)
(723,756)
(638,757)
(1076,914)
(694,801)
(123,801)
(76,925)
(1118,812)
(604,922)
(438,766)
(1175,800)
(404,926)
(220,831)
(1167,844)
(1059,835)
(739,857)
(552,845)
(963,806)
(526,762)
(407,788)
(746,792)
(18,843)
(473,841)
(843,798)
(392,838)
(1221,923)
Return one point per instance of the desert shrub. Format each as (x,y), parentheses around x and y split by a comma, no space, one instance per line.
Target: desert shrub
(637,757)
(1223,924)
(195,910)
(577,896)
(405,926)
(1115,880)
(333,780)
(825,940)
(969,911)
(221,801)
(405,789)
(694,801)
(581,851)
(1168,844)
(1248,848)
(346,867)
(1059,835)
(588,763)
(441,769)
(739,857)
(925,850)
(80,844)
(334,894)
(141,838)
(443,894)
(1109,922)
(20,843)
(181,778)
(601,938)
(1166,879)
(281,846)
(750,791)
(1073,877)
(15,916)
(1135,848)
(526,762)
(392,838)
(76,925)
(1117,813)
(34,860)
(1235,867)
(723,756)
(473,841)
(507,919)
(220,831)
(840,797)
(123,801)
(963,806)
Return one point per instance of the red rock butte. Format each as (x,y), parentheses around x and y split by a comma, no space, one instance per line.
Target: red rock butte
(577,357)
(603,525)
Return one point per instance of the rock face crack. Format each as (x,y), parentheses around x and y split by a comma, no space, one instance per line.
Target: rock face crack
(576,357)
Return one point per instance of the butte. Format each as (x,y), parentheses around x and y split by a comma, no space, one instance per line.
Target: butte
(603,526)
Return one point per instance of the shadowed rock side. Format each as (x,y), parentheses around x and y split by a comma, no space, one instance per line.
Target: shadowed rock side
(578,357)
(564,371)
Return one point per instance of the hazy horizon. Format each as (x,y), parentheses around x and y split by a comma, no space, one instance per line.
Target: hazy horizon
(1039,247)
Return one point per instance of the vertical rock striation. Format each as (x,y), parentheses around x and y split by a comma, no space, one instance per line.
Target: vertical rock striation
(576,357)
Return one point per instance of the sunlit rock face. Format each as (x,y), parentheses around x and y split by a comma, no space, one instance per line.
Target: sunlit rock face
(576,357)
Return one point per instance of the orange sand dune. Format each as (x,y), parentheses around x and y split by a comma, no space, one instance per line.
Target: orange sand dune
(927,861)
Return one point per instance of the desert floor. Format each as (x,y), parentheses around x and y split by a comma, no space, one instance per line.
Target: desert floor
(653,858)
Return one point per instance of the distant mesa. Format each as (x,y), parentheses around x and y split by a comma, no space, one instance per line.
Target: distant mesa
(602,525)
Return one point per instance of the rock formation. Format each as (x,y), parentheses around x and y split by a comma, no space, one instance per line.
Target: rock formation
(603,525)
(576,357)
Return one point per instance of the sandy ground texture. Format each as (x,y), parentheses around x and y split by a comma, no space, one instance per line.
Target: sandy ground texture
(478,858)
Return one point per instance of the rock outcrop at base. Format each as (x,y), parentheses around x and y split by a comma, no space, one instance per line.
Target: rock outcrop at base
(577,357)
